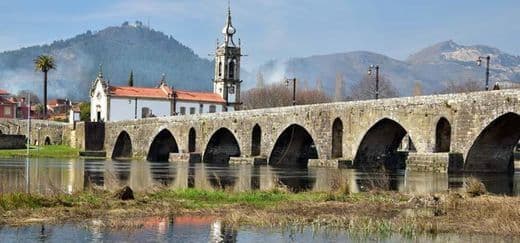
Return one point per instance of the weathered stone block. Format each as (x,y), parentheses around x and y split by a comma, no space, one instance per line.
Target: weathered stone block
(247,161)
(330,163)
(185,157)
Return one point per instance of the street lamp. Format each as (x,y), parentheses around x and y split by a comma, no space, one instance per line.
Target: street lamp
(376,67)
(479,63)
(287,81)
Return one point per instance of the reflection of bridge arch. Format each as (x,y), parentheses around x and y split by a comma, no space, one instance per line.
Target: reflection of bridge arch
(379,146)
(293,148)
(221,146)
(492,150)
(162,145)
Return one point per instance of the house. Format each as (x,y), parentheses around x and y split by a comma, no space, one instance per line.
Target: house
(114,103)
(58,106)
(7,105)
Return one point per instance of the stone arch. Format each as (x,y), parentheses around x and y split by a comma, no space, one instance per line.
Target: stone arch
(492,151)
(443,135)
(337,139)
(293,148)
(256,141)
(47,141)
(221,146)
(122,147)
(192,140)
(378,148)
(162,145)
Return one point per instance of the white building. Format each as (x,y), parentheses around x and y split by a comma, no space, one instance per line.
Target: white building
(114,103)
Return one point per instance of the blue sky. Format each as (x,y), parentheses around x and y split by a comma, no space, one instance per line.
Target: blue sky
(276,28)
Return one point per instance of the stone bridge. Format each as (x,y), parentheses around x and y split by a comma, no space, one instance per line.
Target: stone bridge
(472,132)
(42,132)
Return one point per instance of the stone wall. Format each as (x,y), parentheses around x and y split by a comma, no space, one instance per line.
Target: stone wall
(12,141)
(57,132)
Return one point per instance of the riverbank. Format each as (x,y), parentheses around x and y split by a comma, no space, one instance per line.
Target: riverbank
(48,151)
(364,213)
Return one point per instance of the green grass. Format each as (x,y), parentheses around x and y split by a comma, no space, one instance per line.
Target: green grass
(50,151)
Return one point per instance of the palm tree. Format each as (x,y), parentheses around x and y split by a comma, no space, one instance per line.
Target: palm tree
(44,63)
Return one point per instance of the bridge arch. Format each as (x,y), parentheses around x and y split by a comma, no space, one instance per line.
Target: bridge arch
(256,141)
(221,146)
(293,148)
(47,141)
(442,135)
(192,140)
(162,145)
(337,139)
(123,146)
(379,145)
(492,150)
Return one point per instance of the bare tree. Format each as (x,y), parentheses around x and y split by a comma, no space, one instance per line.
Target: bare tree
(278,94)
(366,89)
(260,81)
(339,91)
(469,85)
(417,89)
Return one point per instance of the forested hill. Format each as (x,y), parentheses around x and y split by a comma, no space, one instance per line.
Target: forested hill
(147,52)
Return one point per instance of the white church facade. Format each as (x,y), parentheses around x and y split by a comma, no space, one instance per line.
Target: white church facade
(115,103)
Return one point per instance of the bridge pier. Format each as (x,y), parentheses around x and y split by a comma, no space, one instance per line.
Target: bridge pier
(257,160)
(185,157)
(330,163)
(434,162)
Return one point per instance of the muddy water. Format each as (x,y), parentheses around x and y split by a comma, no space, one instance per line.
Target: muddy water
(58,175)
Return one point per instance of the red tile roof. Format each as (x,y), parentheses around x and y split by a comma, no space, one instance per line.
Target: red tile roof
(3,92)
(55,102)
(4,101)
(199,96)
(140,92)
(164,92)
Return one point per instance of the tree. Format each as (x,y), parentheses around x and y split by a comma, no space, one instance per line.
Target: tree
(260,81)
(44,64)
(339,92)
(84,111)
(365,89)
(417,88)
(131,79)
(469,85)
(278,94)
(23,94)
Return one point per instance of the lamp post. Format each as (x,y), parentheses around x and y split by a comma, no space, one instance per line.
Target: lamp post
(479,63)
(370,70)
(294,89)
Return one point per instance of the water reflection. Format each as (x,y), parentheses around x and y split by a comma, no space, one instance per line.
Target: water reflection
(51,176)
(208,229)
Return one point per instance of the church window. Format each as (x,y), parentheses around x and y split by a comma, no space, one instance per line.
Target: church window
(212,109)
(183,110)
(192,110)
(220,69)
(232,69)
(201,109)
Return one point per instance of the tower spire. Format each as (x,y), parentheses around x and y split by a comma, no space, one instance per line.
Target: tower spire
(228,29)
(100,73)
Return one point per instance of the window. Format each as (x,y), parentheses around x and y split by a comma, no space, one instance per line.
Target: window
(232,70)
(201,109)
(220,69)
(183,110)
(7,111)
(192,110)
(212,109)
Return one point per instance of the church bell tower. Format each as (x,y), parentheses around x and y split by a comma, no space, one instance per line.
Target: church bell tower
(227,68)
